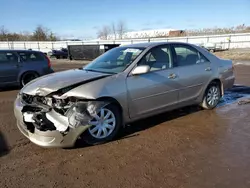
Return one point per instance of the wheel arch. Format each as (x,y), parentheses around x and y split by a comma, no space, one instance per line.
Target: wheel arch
(215,80)
(112,100)
(27,72)
(85,135)
(204,104)
(218,81)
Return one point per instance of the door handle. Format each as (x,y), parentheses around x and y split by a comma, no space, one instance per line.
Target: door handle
(208,69)
(172,76)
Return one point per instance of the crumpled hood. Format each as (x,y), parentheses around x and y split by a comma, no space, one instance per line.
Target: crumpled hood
(55,81)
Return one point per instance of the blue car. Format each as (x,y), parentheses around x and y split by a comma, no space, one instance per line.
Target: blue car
(59,54)
(18,67)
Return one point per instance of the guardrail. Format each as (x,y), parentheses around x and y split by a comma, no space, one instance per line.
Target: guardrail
(226,41)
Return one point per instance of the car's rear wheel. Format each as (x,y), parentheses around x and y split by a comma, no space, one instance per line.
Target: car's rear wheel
(104,126)
(27,77)
(212,96)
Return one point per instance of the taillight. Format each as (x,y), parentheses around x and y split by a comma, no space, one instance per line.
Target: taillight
(49,63)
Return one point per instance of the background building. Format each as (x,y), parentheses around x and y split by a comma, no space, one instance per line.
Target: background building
(154,33)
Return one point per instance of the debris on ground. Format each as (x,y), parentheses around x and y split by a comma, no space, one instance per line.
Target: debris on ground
(244,101)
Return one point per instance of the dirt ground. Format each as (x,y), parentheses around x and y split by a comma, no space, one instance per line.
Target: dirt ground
(185,148)
(235,54)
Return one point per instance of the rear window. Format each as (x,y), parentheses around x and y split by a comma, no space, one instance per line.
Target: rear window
(31,56)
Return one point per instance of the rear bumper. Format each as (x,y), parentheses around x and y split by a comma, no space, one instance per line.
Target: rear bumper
(48,71)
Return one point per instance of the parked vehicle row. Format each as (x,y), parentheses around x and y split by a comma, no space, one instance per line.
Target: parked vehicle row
(124,84)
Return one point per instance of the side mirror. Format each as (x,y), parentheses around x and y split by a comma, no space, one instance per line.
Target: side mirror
(142,69)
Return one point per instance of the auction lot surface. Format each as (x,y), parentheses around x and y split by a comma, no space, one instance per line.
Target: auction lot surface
(184,148)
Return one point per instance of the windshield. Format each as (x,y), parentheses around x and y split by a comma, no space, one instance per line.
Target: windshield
(115,60)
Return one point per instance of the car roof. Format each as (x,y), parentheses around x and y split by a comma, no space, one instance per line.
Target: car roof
(152,44)
(12,50)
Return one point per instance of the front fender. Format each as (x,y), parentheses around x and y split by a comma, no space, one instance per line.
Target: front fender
(112,87)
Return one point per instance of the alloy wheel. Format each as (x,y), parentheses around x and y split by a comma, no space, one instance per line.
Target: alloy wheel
(103,124)
(213,96)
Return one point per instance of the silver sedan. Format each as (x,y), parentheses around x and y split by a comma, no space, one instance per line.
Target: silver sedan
(124,84)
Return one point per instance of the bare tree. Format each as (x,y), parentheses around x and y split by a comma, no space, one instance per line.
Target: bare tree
(3,33)
(113,30)
(121,28)
(25,36)
(104,32)
(53,37)
(41,33)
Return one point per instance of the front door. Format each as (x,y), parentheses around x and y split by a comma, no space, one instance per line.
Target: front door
(156,89)
(8,67)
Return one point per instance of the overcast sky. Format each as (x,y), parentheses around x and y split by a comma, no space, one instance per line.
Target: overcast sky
(82,18)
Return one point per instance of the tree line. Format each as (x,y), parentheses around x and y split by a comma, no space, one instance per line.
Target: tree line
(112,31)
(117,31)
(217,30)
(40,33)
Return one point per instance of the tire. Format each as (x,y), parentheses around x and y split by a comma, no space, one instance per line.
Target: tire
(27,77)
(213,91)
(88,137)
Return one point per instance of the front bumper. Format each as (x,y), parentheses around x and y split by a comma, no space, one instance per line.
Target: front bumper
(47,139)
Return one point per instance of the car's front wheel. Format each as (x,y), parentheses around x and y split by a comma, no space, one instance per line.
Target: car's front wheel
(212,96)
(104,126)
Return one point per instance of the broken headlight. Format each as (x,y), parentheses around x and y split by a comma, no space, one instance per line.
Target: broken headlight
(27,99)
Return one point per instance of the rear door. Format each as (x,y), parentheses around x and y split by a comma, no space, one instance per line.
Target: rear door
(33,61)
(194,71)
(9,67)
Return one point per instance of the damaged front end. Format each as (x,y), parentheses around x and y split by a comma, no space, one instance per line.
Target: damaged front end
(52,113)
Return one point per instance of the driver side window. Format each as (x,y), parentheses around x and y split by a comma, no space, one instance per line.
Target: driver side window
(158,58)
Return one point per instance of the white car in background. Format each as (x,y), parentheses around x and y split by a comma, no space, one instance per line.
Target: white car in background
(212,47)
